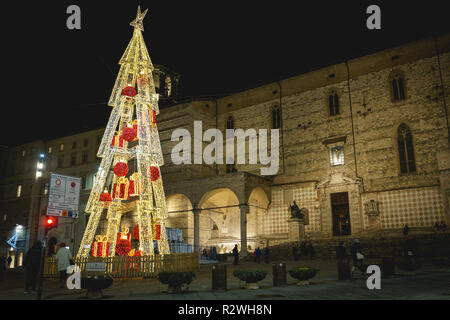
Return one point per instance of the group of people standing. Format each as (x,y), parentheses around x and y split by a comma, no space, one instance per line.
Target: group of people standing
(440,227)
(258,253)
(356,255)
(32,264)
(306,249)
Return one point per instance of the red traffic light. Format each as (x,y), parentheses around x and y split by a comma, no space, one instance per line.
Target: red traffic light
(51,222)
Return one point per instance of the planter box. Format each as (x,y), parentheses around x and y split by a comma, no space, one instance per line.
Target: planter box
(251,285)
(94,286)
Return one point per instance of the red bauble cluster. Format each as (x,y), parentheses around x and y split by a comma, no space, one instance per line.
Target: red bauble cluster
(129,134)
(121,169)
(123,247)
(129,91)
(154,171)
(153,116)
(135,233)
(105,196)
(137,253)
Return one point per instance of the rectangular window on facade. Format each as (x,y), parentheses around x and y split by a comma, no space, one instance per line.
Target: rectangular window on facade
(74,145)
(337,155)
(83,182)
(60,162)
(73,159)
(24,153)
(50,150)
(61,147)
(85,156)
(19,191)
(85,142)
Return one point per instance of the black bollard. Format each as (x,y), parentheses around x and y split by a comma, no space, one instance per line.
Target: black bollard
(219,277)
(279,274)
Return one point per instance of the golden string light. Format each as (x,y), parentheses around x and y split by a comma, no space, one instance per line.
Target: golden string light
(133,94)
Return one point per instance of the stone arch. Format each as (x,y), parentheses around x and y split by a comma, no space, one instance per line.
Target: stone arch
(221,209)
(258,203)
(180,216)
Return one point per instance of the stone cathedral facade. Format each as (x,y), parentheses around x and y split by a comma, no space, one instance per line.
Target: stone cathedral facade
(364,147)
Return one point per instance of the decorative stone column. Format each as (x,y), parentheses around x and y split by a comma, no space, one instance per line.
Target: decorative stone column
(196,212)
(296,229)
(244,211)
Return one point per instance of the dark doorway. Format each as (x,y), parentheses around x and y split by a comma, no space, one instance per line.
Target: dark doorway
(341,214)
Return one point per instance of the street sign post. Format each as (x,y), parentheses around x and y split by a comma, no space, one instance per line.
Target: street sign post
(63,201)
(64,195)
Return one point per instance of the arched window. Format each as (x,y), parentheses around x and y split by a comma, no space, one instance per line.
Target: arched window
(333,102)
(405,149)
(230,123)
(276,117)
(168,86)
(398,88)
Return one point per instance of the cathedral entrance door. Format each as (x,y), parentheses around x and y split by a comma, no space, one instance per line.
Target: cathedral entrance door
(341,214)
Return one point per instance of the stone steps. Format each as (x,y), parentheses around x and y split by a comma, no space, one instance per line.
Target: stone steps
(372,247)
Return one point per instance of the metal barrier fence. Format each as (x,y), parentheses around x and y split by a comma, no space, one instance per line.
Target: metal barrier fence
(125,267)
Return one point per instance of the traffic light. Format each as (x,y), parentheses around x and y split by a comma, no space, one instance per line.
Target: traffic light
(50,223)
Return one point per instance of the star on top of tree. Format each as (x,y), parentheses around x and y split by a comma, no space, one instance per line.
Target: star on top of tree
(137,23)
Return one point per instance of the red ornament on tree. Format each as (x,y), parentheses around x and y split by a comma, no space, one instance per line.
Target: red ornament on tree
(138,253)
(153,116)
(136,232)
(121,169)
(123,247)
(129,134)
(154,171)
(129,91)
(105,196)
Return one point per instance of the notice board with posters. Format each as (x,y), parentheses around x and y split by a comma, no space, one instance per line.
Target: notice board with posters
(63,196)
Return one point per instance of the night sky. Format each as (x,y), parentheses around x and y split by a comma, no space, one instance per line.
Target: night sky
(58,81)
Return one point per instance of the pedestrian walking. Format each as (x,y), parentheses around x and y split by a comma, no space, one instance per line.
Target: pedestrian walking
(357,256)
(295,253)
(266,254)
(32,264)
(342,262)
(311,251)
(236,255)
(254,256)
(2,267)
(303,249)
(63,258)
(258,255)
(214,253)
(8,261)
(436,227)
(443,226)
(405,230)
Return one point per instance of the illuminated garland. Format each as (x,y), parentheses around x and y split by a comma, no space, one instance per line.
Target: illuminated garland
(133,118)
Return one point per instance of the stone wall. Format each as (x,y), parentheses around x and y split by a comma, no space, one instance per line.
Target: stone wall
(372,247)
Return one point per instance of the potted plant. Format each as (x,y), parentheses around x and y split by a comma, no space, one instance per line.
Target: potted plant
(177,281)
(303,274)
(251,277)
(95,284)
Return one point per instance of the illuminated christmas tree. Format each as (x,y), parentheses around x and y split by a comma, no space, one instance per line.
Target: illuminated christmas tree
(131,137)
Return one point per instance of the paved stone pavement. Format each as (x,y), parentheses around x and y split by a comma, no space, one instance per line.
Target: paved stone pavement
(427,283)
